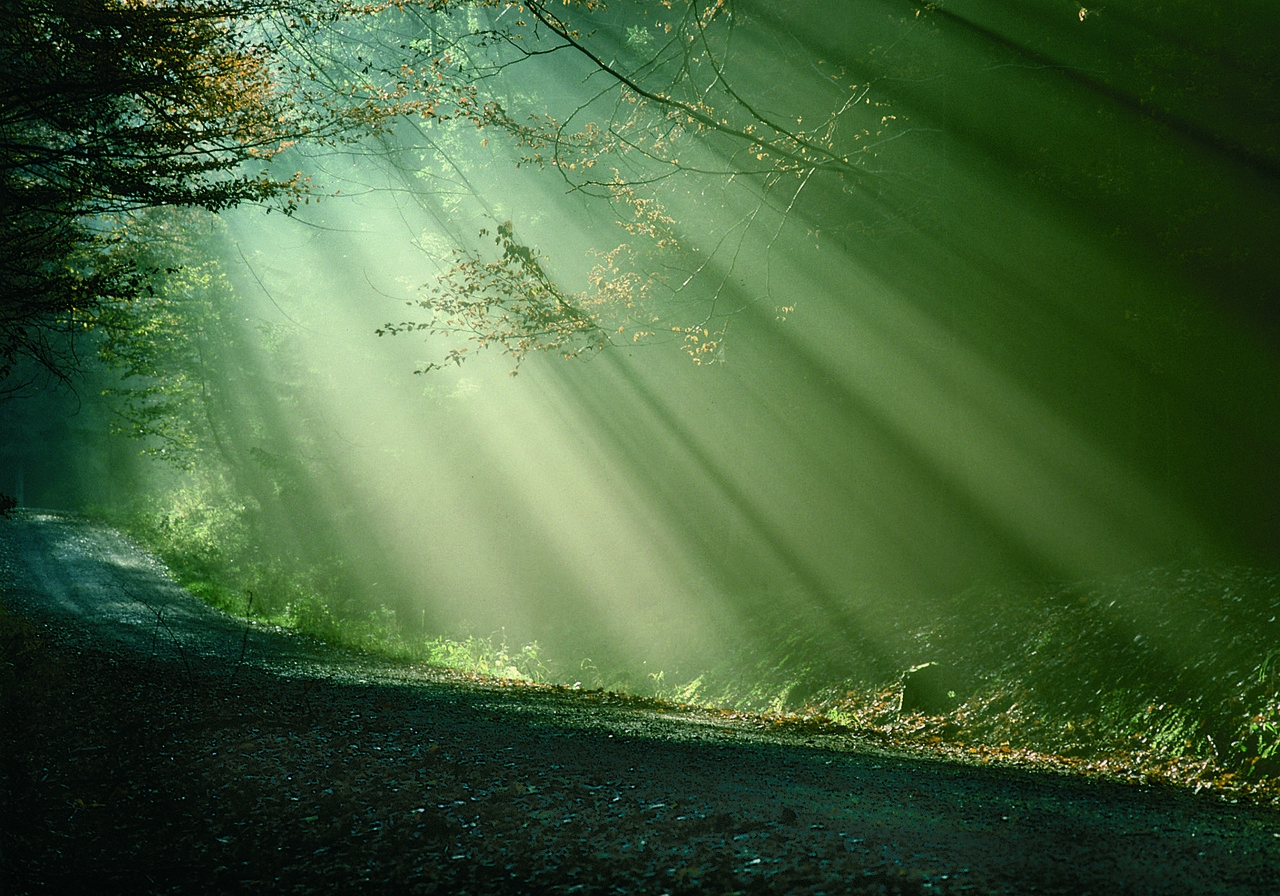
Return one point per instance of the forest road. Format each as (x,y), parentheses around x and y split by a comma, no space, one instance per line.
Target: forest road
(288,766)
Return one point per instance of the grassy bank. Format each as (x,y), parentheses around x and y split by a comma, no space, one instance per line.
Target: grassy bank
(1166,673)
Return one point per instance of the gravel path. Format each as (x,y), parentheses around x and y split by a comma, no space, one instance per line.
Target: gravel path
(175,750)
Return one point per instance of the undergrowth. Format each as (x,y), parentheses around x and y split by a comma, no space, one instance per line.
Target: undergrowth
(206,540)
(1173,674)
(1163,670)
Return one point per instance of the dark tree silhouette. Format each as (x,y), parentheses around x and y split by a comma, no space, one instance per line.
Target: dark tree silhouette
(110,107)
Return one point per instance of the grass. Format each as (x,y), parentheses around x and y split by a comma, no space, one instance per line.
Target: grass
(1163,672)
(1169,673)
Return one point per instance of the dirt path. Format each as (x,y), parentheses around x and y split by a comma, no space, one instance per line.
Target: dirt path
(179,754)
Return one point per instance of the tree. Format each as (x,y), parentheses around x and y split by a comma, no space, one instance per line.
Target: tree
(111,106)
(688,106)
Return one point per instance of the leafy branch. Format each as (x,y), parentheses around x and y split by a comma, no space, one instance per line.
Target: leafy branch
(509,301)
(788,148)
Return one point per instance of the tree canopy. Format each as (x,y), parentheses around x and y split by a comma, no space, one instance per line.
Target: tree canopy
(113,106)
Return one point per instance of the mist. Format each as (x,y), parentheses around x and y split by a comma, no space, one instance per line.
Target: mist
(1030,340)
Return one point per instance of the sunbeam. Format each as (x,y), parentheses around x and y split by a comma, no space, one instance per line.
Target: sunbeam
(734,351)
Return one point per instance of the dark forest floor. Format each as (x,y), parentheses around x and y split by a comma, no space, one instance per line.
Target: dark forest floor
(127,775)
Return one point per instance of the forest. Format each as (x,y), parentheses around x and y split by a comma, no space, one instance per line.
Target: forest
(728,352)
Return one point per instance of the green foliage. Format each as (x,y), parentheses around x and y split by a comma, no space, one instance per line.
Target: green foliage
(684,110)
(207,394)
(1159,670)
(484,656)
(197,528)
(172,346)
(311,615)
(510,302)
(201,528)
(114,107)
(203,534)
(1160,667)
(379,631)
